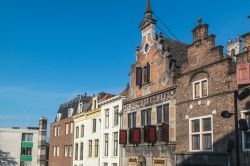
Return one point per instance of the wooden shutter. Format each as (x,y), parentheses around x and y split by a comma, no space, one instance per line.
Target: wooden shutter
(136,135)
(130,136)
(243,74)
(151,134)
(123,137)
(148,73)
(165,132)
(139,76)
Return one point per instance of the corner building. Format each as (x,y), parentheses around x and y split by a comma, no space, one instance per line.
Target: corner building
(148,128)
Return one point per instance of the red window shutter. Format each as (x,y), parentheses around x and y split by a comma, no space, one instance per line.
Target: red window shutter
(148,73)
(139,76)
(165,132)
(123,137)
(151,134)
(146,134)
(136,136)
(243,74)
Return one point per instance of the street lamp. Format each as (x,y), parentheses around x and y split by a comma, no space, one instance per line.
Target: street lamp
(243,126)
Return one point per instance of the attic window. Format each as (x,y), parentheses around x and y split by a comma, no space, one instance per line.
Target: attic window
(58,116)
(70,112)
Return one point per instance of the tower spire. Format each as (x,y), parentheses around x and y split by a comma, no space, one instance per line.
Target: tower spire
(148,13)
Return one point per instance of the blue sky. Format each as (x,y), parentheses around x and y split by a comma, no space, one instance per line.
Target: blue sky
(53,50)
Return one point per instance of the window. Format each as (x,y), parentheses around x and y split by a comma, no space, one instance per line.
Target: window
(115,152)
(77,132)
(25,163)
(143,75)
(82,130)
(26,151)
(105,164)
(70,112)
(58,130)
(132,120)
(81,151)
(146,117)
(66,128)
(106,146)
(71,127)
(163,114)
(94,125)
(76,151)
(116,115)
(55,131)
(246,135)
(70,150)
(58,116)
(27,137)
(66,150)
(90,148)
(200,89)
(201,134)
(114,164)
(54,151)
(96,147)
(107,118)
(57,151)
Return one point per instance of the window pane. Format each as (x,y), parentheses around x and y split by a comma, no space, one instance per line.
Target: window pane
(143,114)
(129,120)
(134,119)
(166,113)
(207,142)
(77,132)
(247,140)
(149,117)
(196,125)
(204,88)
(81,151)
(116,115)
(195,142)
(159,114)
(206,124)
(197,90)
(248,119)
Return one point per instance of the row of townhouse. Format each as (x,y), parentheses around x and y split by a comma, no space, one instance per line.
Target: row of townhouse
(171,112)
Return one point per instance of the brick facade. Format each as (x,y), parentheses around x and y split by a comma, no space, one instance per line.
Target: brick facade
(207,61)
(61,141)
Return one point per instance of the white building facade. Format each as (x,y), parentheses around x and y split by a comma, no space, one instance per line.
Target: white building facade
(87,136)
(110,126)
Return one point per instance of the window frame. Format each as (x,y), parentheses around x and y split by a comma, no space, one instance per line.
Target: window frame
(200,88)
(115,144)
(106,118)
(94,125)
(200,133)
(96,148)
(132,119)
(244,132)
(90,150)
(116,115)
(106,144)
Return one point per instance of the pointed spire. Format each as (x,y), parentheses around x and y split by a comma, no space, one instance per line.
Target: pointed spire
(148,13)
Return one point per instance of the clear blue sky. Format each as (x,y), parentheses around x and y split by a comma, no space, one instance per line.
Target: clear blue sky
(52,50)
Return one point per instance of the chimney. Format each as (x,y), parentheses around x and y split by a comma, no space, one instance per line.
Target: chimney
(42,146)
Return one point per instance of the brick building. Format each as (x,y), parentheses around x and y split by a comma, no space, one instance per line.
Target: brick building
(205,88)
(148,119)
(62,131)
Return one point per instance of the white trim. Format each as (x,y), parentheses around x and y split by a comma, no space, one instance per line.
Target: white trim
(243,133)
(200,82)
(200,133)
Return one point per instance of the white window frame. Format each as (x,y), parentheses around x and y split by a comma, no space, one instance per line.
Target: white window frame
(54,151)
(243,133)
(107,113)
(116,107)
(67,128)
(200,82)
(200,133)
(57,151)
(55,131)
(70,112)
(71,127)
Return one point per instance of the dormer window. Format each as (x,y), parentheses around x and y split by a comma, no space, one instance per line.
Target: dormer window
(200,89)
(58,116)
(70,112)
